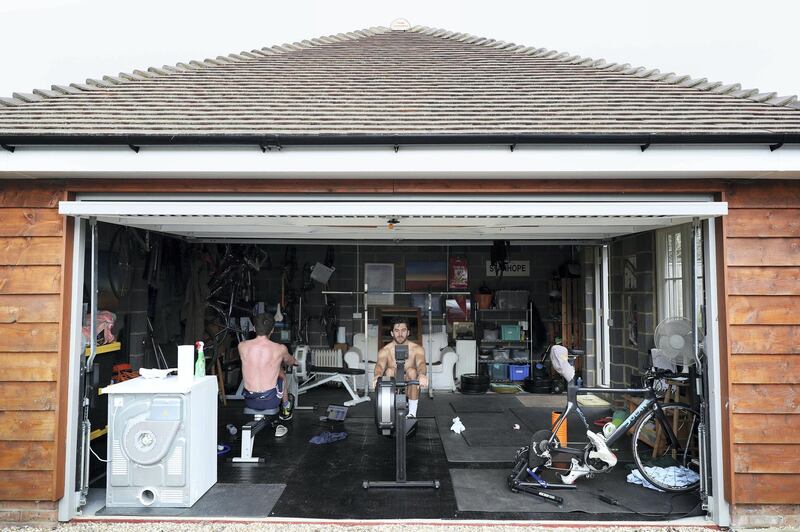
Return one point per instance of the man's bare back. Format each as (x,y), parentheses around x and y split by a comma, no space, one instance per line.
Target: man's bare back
(261,363)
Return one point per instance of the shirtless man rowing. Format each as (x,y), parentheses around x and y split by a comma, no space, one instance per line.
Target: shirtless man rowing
(262,370)
(415,368)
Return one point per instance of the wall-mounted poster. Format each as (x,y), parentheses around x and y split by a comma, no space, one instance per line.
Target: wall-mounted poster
(426,276)
(459,274)
(379,277)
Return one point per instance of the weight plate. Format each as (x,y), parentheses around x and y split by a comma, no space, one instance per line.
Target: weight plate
(474,379)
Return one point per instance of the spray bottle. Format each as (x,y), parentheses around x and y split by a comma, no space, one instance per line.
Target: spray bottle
(200,366)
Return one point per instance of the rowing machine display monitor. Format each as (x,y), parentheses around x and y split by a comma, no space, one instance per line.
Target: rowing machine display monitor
(391,408)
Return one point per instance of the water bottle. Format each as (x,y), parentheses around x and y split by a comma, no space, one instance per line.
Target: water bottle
(200,366)
(232,430)
(579,382)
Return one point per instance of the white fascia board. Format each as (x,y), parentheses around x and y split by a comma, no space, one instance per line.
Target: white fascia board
(441,162)
(390,208)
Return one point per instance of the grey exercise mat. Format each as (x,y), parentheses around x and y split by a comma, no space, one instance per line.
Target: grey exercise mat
(222,500)
(481,446)
(482,403)
(485,490)
(495,430)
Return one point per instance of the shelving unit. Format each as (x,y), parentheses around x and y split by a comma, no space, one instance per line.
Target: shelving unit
(495,319)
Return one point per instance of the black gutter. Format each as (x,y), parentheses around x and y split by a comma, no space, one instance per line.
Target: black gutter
(279,141)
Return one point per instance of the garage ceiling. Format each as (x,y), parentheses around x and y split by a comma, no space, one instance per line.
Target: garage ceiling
(395,220)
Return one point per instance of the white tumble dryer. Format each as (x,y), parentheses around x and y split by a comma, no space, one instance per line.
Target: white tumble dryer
(162,442)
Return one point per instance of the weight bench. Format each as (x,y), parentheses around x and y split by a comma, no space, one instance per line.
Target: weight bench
(249,431)
(309,376)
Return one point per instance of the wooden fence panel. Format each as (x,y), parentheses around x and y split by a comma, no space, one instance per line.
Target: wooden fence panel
(30,222)
(30,308)
(765,398)
(27,456)
(26,485)
(765,195)
(765,428)
(764,223)
(763,310)
(30,279)
(27,396)
(763,251)
(28,426)
(764,369)
(30,251)
(29,337)
(761,488)
(17,195)
(749,458)
(23,367)
(765,339)
(780,281)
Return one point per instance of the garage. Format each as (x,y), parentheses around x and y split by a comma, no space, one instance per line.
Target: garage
(584,276)
(530,213)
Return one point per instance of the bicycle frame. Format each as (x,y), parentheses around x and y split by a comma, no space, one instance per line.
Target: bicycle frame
(650,402)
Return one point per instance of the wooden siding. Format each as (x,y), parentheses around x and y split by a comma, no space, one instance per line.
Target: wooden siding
(762,250)
(760,281)
(32,259)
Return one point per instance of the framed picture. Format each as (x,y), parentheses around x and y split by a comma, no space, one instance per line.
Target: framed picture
(426,276)
(379,277)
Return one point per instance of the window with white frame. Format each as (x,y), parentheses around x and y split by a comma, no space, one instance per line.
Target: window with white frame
(674,271)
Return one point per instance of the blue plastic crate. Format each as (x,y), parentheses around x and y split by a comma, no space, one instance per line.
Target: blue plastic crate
(517,373)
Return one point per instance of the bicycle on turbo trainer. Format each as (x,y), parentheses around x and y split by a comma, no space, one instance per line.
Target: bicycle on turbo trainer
(391,407)
(666,435)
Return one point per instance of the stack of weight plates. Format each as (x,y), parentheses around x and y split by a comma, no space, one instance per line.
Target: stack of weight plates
(539,381)
(472,383)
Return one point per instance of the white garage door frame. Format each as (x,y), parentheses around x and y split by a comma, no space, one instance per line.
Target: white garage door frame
(581,215)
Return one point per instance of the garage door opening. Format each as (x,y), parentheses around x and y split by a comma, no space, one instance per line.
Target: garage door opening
(588,275)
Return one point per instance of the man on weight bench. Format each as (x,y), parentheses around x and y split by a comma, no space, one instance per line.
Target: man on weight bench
(415,368)
(262,370)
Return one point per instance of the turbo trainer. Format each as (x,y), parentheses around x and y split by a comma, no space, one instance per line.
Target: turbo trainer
(391,407)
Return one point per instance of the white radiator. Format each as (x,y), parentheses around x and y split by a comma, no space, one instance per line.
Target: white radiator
(327,357)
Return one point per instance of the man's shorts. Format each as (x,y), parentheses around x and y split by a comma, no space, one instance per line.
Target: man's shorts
(268,400)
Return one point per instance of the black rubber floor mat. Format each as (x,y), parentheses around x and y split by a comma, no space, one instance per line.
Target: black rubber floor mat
(222,500)
(485,490)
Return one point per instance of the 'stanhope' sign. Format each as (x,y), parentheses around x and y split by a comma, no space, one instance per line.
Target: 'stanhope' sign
(514,268)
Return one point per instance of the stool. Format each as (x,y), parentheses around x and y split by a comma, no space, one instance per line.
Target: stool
(669,397)
(249,431)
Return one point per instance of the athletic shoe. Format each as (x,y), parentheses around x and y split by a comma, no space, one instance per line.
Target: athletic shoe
(287,409)
(411,416)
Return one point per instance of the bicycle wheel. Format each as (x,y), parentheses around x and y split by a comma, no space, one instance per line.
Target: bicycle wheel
(664,465)
(120,263)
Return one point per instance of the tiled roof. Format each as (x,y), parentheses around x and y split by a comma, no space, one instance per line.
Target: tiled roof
(380,82)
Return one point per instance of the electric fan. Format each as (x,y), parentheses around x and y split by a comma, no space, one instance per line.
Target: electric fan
(674,341)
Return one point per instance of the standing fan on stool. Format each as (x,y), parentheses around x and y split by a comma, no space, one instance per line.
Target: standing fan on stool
(674,340)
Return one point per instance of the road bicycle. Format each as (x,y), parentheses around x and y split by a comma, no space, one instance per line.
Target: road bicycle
(665,444)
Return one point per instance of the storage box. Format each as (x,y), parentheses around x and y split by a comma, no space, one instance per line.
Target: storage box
(498,372)
(511,299)
(510,333)
(517,373)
